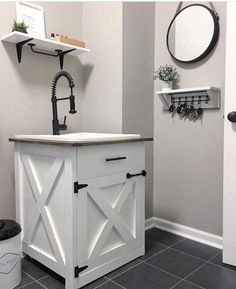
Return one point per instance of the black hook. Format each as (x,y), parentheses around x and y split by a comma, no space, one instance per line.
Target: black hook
(199,99)
(180,108)
(171,108)
(191,109)
(199,110)
(207,99)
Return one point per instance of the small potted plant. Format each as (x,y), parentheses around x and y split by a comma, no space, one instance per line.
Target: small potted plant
(167,74)
(19,26)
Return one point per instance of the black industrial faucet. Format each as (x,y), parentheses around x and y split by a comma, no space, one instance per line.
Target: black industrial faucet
(56,127)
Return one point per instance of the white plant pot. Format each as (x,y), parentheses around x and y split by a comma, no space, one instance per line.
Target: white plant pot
(166,85)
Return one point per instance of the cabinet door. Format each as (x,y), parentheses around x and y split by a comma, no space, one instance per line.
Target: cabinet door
(110,223)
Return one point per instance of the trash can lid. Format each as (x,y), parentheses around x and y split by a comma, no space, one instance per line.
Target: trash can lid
(9,229)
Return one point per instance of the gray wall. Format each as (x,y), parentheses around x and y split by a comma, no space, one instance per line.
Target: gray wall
(102,102)
(118,73)
(138,88)
(26,87)
(189,156)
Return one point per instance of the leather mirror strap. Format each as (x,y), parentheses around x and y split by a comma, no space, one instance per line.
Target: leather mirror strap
(180,4)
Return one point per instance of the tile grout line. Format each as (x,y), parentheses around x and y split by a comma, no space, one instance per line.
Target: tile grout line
(141,262)
(118,284)
(38,281)
(182,279)
(32,276)
(220,265)
(202,265)
(165,244)
(213,257)
(23,286)
(191,255)
(195,284)
(188,282)
(163,270)
(179,252)
(171,247)
(100,284)
(180,241)
(144,261)
(125,271)
(163,250)
(43,277)
(185,278)
(154,242)
(34,281)
(166,247)
(27,283)
(41,284)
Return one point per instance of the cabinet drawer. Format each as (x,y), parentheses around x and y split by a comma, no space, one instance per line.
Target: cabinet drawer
(101,160)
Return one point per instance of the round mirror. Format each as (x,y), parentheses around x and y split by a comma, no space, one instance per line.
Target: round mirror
(192,33)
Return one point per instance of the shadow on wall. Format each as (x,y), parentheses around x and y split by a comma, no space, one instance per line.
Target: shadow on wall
(87,70)
(32,67)
(191,66)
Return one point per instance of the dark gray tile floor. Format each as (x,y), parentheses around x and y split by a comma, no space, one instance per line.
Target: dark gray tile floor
(170,262)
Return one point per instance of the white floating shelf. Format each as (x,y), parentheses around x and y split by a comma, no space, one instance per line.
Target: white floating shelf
(21,39)
(204,97)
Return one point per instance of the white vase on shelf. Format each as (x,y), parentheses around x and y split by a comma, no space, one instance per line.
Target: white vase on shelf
(166,85)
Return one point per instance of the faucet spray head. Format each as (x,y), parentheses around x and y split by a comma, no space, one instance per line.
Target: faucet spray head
(72,104)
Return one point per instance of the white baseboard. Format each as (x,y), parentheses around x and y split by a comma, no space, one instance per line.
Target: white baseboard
(184,231)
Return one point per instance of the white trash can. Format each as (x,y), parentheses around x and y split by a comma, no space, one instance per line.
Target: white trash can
(10,254)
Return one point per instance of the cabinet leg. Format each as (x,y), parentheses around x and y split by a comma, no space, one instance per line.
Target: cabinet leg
(71,283)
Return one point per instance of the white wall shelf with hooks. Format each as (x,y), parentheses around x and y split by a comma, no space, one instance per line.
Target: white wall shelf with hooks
(204,97)
(42,46)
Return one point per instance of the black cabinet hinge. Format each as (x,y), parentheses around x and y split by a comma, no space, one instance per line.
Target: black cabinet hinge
(78,270)
(78,187)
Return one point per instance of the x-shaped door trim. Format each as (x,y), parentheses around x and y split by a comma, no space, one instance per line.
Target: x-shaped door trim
(41,196)
(112,214)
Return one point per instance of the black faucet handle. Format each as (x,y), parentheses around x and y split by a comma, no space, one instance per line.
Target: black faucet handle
(63,126)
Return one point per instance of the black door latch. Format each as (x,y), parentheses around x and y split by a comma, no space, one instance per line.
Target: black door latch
(78,187)
(143,173)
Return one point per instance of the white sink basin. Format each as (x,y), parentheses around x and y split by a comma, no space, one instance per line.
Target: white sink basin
(81,136)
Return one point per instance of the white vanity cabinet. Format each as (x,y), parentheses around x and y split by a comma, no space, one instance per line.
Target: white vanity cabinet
(82,215)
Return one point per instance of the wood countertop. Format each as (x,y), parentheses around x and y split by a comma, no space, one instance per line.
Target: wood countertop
(76,143)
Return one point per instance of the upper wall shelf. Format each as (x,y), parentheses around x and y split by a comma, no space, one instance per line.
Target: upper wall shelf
(57,49)
(204,97)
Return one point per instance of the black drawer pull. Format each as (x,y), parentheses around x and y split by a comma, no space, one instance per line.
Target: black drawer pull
(143,173)
(115,159)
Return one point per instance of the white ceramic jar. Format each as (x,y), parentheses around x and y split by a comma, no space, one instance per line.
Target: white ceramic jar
(10,254)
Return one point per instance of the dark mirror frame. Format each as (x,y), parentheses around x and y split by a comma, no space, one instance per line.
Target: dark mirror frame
(213,41)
